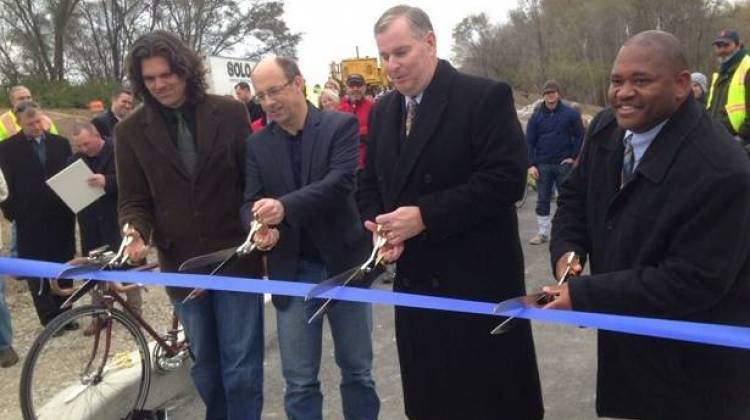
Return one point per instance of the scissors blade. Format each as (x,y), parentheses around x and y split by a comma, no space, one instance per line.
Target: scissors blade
(516,304)
(353,278)
(519,302)
(79,270)
(197,291)
(209,259)
(332,282)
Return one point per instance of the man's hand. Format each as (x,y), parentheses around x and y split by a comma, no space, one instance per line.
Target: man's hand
(401,224)
(562,265)
(389,252)
(561,295)
(534,172)
(137,249)
(96,180)
(268,211)
(568,161)
(266,238)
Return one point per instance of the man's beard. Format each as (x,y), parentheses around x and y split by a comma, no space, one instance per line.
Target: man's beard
(727,57)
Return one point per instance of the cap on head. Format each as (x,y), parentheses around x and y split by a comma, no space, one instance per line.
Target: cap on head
(551,86)
(727,36)
(355,79)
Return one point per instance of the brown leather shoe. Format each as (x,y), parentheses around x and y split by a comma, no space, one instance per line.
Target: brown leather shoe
(8,357)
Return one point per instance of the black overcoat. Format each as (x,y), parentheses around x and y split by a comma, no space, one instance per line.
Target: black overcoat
(45,224)
(672,243)
(98,221)
(464,165)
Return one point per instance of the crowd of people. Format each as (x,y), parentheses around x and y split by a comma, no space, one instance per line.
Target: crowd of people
(654,196)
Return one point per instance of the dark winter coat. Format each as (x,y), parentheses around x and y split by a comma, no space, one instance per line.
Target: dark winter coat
(45,224)
(554,135)
(671,244)
(105,123)
(98,221)
(464,165)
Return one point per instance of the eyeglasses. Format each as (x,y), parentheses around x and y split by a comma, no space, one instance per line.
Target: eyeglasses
(721,44)
(272,92)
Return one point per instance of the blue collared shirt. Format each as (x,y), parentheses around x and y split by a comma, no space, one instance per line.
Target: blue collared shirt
(641,141)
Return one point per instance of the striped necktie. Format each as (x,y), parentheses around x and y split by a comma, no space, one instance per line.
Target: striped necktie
(411,114)
(628,160)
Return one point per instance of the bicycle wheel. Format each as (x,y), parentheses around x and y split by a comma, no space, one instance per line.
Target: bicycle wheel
(105,375)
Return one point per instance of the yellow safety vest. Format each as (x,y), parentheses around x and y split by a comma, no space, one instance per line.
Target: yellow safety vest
(9,125)
(735,106)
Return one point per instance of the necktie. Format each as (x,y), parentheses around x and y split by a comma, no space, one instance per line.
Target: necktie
(39,148)
(411,113)
(185,143)
(628,160)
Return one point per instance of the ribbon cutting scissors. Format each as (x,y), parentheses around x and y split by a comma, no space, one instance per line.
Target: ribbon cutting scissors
(223,256)
(98,259)
(530,300)
(364,273)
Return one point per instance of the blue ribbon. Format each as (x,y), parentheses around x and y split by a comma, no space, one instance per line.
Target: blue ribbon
(722,335)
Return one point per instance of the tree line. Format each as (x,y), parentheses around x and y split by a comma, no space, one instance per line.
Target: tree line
(86,41)
(576,41)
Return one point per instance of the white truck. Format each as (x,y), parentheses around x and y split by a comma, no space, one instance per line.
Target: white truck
(224,73)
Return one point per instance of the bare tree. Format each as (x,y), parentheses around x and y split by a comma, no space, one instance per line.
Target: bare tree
(107,28)
(220,26)
(575,41)
(40,29)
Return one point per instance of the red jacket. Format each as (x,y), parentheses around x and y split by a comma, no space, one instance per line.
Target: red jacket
(361,109)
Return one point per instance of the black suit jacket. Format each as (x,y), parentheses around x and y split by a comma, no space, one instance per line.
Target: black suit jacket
(464,165)
(105,123)
(45,224)
(98,221)
(324,204)
(671,244)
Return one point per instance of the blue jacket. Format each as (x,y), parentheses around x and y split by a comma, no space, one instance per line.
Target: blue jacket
(324,204)
(554,135)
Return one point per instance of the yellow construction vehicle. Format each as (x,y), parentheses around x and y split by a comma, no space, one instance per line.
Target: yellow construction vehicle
(368,67)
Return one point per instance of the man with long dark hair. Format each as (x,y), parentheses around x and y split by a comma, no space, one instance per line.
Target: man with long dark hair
(180,161)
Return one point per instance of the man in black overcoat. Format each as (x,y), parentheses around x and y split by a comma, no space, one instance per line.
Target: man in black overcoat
(446,161)
(98,221)
(122,104)
(45,224)
(660,204)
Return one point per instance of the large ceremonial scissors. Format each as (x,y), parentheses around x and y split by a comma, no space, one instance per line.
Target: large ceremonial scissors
(98,259)
(352,276)
(222,257)
(533,300)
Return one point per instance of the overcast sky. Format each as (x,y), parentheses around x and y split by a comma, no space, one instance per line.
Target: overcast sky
(332,29)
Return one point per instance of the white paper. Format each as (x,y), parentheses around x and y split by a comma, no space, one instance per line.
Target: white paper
(72,187)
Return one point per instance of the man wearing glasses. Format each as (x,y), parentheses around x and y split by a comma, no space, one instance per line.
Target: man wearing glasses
(729,96)
(299,176)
